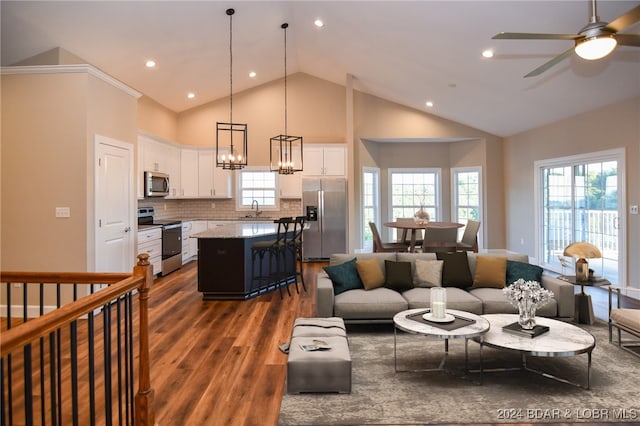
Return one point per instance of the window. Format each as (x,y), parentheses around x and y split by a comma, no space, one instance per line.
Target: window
(467,196)
(412,190)
(257,185)
(370,204)
(580,199)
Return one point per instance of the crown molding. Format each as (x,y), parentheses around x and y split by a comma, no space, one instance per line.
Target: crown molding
(79,68)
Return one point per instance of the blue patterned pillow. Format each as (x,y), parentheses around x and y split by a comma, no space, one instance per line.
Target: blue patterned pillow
(526,271)
(344,276)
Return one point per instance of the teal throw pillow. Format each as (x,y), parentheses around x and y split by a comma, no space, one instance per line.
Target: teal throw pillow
(398,275)
(526,271)
(344,276)
(455,269)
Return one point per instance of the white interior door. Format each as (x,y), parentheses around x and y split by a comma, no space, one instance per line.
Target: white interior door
(114,205)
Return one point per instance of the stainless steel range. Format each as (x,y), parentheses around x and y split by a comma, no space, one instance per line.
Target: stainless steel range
(171,238)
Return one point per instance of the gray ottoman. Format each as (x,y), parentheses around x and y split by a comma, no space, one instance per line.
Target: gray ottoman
(321,370)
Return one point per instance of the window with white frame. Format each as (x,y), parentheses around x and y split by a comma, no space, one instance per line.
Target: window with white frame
(581,198)
(412,189)
(467,195)
(370,204)
(257,185)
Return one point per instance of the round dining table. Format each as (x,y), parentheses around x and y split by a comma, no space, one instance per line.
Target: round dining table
(414,227)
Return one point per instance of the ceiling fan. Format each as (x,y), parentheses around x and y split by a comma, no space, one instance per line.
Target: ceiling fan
(596,40)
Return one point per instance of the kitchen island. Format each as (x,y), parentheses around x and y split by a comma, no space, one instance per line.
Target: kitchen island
(224,260)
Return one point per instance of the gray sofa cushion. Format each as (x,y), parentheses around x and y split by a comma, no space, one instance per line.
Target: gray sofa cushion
(379,303)
(495,302)
(457,298)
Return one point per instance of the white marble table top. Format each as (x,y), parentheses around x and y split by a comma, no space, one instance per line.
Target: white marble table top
(479,327)
(562,339)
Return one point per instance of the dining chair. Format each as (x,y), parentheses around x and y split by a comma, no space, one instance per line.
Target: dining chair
(469,241)
(379,246)
(440,239)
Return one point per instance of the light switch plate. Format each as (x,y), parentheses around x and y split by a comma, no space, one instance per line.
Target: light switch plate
(63,212)
(633,209)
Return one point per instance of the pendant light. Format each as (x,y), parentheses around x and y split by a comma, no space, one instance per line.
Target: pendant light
(231,138)
(286,150)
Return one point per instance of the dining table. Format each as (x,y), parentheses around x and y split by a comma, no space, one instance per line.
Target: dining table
(414,227)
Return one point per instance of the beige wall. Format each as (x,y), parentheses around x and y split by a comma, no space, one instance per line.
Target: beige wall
(376,118)
(156,119)
(615,126)
(316,111)
(48,126)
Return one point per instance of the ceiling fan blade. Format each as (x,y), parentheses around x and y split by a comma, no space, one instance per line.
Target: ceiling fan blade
(561,57)
(535,36)
(622,22)
(628,39)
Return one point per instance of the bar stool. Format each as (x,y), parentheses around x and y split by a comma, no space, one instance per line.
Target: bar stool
(276,249)
(295,245)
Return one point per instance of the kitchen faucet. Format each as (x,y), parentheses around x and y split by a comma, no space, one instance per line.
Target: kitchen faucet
(258,211)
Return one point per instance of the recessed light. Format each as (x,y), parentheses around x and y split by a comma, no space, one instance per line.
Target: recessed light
(150,63)
(252,74)
(191,95)
(487,53)
(429,104)
(318,23)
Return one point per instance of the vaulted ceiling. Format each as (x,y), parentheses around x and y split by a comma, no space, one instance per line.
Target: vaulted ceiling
(407,52)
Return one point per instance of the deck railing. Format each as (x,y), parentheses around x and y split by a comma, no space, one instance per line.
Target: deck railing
(75,364)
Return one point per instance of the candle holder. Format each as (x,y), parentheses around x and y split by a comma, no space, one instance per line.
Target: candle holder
(438,302)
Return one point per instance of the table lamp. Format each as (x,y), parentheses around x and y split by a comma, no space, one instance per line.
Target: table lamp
(582,251)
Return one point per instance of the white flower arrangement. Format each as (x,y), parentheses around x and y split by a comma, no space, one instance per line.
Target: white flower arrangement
(529,292)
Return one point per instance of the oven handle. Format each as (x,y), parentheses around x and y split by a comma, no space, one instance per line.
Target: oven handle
(176,225)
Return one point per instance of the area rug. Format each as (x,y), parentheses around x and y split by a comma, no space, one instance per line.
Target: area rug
(382,396)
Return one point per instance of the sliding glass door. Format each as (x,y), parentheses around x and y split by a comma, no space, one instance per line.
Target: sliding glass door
(580,201)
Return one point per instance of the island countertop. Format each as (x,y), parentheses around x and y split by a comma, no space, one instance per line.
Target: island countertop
(240,230)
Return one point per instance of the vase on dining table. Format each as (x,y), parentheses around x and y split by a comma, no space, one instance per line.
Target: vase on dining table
(421,216)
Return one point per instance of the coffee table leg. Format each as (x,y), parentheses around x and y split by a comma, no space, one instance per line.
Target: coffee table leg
(395,356)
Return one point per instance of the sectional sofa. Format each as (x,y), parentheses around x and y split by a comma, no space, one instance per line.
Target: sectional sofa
(354,288)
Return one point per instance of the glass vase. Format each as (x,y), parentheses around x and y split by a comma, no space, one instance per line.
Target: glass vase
(438,298)
(527,314)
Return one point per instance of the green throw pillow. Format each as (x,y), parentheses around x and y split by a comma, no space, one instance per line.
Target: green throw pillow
(398,275)
(344,276)
(455,270)
(526,271)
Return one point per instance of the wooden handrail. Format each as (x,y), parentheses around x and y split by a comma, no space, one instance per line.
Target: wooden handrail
(119,284)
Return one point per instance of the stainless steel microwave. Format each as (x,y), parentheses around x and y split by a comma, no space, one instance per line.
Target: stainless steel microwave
(156,184)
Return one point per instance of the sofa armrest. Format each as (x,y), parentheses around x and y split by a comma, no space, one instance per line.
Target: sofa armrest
(325,297)
(563,293)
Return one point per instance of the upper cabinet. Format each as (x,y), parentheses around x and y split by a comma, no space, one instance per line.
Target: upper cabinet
(158,156)
(324,160)
(290,186)
(192,171)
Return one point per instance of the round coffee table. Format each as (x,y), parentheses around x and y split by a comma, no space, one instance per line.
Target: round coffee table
(465,326)
(562,340)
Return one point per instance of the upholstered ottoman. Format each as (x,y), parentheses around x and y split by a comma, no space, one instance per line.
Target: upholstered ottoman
(325,370)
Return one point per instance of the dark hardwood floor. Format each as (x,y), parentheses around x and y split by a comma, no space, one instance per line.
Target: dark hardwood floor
(218,362)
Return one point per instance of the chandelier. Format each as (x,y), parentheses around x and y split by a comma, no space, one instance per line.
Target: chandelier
(285,150)
(231,138)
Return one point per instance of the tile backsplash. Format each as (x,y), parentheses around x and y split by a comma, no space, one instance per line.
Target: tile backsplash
(212,208)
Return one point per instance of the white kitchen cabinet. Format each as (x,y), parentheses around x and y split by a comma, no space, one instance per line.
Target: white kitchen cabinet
(189,173)
(187,253)
(324,160)
(196,227)
(150,242)
(158,156)
(213,182)
(290,186)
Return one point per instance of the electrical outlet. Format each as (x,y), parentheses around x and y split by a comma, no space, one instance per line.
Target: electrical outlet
(213,205)
(63,212)
(633,209)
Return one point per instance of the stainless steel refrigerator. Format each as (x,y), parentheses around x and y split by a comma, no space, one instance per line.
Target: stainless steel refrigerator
(324,202)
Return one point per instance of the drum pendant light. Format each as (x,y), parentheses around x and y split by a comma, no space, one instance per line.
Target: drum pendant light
(231,138)
(286,150)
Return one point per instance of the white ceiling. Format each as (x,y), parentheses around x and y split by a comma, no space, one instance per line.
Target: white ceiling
(407,52)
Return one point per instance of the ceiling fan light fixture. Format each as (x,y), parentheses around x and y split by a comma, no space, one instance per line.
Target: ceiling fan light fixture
(597,47)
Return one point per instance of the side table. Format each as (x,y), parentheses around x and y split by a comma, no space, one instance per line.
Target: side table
(584,308)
